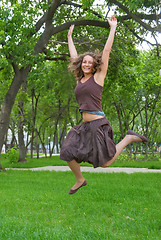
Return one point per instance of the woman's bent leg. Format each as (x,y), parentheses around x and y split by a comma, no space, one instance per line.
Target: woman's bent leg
(121,145)
(75,167)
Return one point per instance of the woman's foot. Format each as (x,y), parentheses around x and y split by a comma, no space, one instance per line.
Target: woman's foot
(78,185)
(142,138)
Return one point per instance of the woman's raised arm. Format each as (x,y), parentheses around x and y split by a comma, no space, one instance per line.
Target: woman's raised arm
(72,49)
(100,76)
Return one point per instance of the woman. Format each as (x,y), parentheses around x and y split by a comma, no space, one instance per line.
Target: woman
(92,141)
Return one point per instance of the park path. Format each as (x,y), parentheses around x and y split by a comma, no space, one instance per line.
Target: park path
(91,169)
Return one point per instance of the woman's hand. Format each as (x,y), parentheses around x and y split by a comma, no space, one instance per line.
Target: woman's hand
(70,31)
(112,21)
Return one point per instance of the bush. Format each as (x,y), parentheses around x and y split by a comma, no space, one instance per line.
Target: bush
(12,155)
(140,157)
(125,157)
(148,157)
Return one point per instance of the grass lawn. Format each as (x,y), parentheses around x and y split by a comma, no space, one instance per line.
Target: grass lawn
(36,205)
(55,161)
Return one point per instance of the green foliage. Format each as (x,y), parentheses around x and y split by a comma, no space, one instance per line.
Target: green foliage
(6,76)
(87,3)
(148,157)
(132,92)
(147,71)
(18,25)
(13,155)
(124,157)
(134,5)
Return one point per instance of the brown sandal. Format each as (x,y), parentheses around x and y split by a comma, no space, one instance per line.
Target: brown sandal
(144,139)
(72,191)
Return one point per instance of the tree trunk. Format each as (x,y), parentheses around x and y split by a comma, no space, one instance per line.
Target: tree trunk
(12,128)
(118,110)
(32,143)
(37,145)
(62,134)
(33,125)
(34,113)
(125,115)
(22,148)
(42,140)
(57,144)
(50,152)
(13,141)
(20,76)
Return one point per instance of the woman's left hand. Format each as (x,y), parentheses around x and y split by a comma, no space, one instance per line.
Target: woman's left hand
(112,21)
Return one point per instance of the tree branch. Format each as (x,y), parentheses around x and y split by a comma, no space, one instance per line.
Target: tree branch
(51,30)
(63,58)
(50,13)
(76,43)
(47,17)
(135,17)
(40,22)
(82,22)
(142,39)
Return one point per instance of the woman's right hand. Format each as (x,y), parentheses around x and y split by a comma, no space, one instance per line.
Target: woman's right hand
(70,30)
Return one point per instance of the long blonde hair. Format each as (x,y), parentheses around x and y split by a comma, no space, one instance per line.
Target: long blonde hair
(76,63)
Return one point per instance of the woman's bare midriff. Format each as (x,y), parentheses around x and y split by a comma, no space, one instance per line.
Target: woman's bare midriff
(87,117)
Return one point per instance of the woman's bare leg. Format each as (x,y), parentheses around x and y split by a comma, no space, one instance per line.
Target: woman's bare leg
(121,145)
(75,167)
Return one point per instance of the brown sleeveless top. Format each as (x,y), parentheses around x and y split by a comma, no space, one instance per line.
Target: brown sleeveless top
(88,95)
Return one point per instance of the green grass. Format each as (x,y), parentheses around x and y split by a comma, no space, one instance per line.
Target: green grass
(148,164)
(55,161)
(36,205)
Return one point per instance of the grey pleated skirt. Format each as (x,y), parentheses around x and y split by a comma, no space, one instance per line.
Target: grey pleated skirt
(90,142)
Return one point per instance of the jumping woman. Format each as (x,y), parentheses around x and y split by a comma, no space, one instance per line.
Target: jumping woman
(92,141)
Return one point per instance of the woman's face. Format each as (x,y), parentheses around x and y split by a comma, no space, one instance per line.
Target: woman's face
(87,64)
